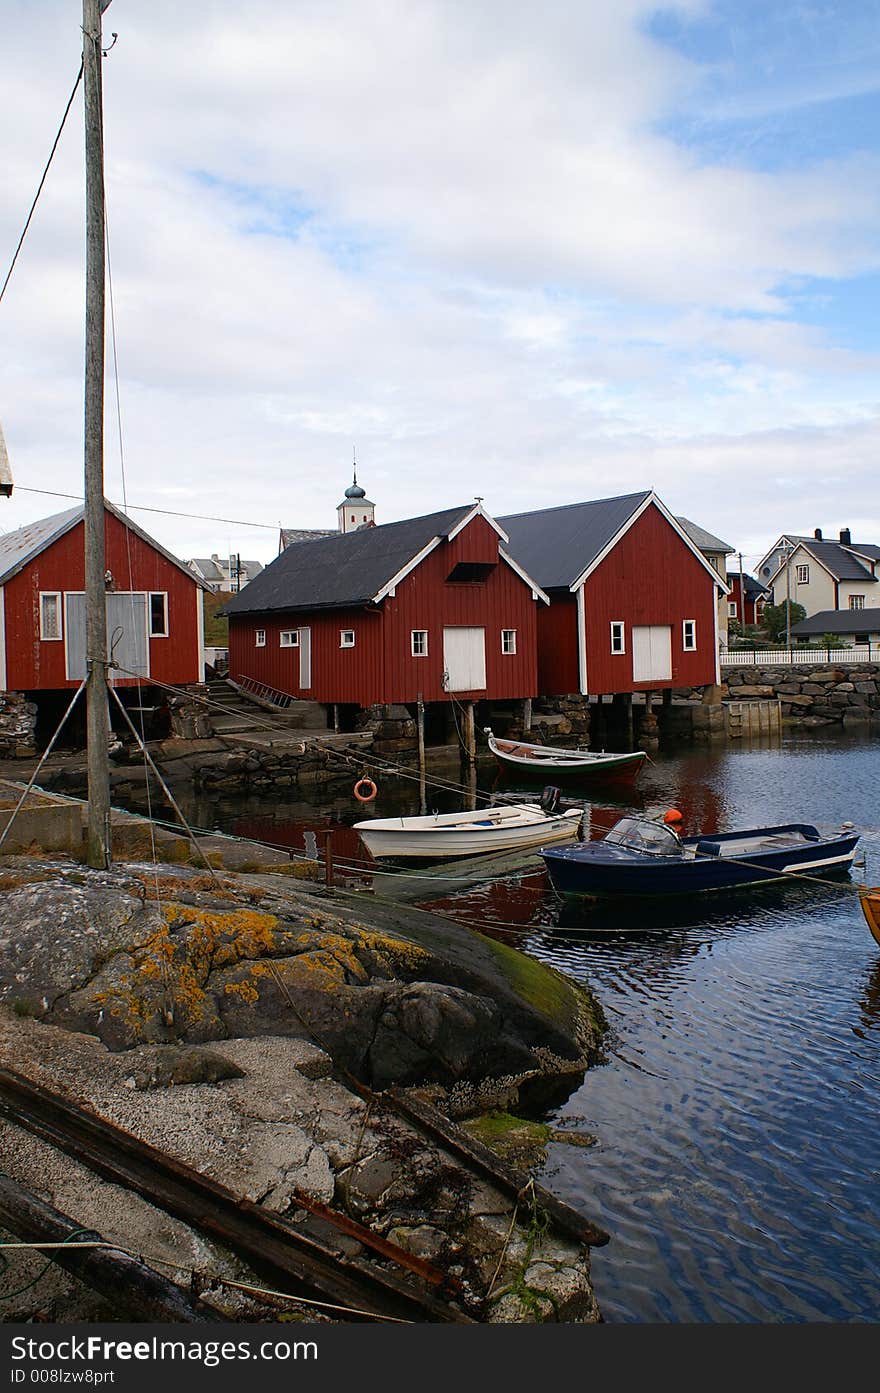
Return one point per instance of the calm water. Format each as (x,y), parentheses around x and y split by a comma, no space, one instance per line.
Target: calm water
(736,1119)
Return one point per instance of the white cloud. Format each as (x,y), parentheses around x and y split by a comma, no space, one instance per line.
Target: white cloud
(450,235)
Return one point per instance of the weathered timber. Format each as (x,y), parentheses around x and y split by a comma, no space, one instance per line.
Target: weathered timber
(133,1289)
(506,1177)
(269,1242)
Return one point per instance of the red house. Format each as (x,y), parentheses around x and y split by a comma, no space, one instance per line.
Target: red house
(424,607)
(756,597)
(633,602)
(154,606)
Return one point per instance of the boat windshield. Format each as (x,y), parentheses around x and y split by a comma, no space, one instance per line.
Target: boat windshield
(653,838)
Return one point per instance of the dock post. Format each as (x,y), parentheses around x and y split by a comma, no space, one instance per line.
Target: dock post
(527,715)
(420,730)
(470,736)
(328,858)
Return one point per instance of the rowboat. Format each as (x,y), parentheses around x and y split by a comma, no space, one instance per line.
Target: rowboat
(539,761)
(870,901)
(443,836)
(641,857)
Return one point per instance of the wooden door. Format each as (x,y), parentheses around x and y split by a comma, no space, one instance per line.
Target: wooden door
(652,653)
(464,659)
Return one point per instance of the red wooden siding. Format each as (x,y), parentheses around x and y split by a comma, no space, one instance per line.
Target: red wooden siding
(649,578)
(558,645)
(381,668)
(35,664)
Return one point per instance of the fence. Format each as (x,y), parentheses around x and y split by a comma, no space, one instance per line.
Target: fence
(799,657)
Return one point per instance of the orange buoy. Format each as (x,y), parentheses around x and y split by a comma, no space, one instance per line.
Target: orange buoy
(672,815)
(365,790)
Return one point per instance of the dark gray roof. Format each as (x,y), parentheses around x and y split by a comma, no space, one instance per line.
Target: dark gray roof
(344,568)
(865,549)
(837,559)
(752,587)
(556,545)
(839,621)
(289,535)
(706,541)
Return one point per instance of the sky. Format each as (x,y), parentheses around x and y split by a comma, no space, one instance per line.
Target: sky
(536,254)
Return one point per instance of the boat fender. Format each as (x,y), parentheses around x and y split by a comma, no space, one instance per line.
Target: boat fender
(672,815)
(707,848)
(365,790)
(550,798)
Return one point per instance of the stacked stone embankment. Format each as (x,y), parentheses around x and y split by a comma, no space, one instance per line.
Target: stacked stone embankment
(834,694)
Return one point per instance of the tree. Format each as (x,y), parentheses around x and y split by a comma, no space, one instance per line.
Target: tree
(773,619)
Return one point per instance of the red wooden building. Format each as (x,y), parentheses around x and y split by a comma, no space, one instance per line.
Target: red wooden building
(424,607)
(154,606)
(756,597)
(633,602)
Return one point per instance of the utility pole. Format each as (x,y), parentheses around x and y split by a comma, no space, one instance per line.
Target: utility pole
(97,718)
(742,596)
(787,597)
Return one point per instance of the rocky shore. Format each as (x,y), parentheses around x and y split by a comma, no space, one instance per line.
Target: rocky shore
(812,696)
(248,1025)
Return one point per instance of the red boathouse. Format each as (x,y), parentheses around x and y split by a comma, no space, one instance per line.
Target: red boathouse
(428,607)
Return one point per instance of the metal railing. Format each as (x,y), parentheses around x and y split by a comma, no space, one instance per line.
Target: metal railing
(251,687)
(799,657)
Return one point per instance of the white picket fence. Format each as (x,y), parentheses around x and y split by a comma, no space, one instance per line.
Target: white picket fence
(799,657)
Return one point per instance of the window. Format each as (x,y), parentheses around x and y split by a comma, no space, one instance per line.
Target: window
(689,635)
(857,602)
(731,609)
(289,638)
(346,638)
(471,572)
(419,641)
(508,641)
(158,614)
(260,638)
(618,640)
(50,614)
(802,575)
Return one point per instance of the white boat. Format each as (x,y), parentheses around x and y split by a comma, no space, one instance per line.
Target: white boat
(443,836)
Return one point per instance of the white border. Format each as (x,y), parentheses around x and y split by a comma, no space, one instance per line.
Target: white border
(2,638)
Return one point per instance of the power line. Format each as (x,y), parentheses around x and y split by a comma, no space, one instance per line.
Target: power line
(42,181)
(168,512)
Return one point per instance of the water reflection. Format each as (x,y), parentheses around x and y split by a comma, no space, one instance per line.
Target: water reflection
(736,1121)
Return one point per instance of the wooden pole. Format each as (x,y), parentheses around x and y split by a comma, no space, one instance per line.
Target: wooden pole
(97,722)
(135,1290)
(420,729)
(470,737)
(527,715)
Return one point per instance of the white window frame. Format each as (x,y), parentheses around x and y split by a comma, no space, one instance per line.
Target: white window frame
(508,643)
(802,575)
(421,634)
(689,635)
(346,638)
(259,638)
(618,637)
(59,622)
(731,609)
(164,631)
(857,602)
(288,638)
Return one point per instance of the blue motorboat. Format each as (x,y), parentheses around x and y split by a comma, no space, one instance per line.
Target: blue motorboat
(642,857)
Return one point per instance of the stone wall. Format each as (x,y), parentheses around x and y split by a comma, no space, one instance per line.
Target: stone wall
(813,696)
(18,722)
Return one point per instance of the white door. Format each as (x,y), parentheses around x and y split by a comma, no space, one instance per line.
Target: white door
(464,659)
(305,659)
(127,638)
(652,653)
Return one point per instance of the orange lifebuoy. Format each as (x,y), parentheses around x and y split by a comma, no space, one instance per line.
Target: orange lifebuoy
(368,785)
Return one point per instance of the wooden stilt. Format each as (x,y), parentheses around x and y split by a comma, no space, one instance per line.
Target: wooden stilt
(420,730)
